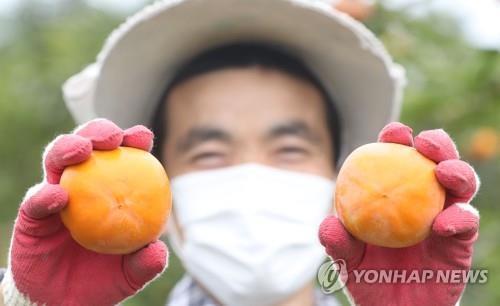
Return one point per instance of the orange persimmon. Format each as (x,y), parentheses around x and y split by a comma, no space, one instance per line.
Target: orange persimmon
(388,195)
(484,143)
(119,200)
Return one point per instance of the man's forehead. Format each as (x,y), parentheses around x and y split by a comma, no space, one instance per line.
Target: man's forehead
(227,81)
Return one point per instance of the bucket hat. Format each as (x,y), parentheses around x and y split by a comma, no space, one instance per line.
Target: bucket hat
(139,58)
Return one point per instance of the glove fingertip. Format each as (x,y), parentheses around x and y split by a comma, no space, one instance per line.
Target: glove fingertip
(43,200)
(145,264)
(458,177)
(103,133)
(338,242)
(436,145)
(459,219)
(396,132)
(139,137)
(64,151)
(328,230)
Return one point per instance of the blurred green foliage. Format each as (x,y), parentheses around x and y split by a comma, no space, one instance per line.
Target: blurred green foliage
(455,87)
(451,86)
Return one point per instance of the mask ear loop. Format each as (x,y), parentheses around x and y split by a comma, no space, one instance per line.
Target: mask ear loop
(174,237)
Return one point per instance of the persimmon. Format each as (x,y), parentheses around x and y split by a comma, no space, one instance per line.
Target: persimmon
(388,195)
(119,200)
(358,9)
(484,143)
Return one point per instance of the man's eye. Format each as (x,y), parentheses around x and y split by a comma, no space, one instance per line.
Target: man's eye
(292,150)
(292,153)
(209,159)
(206,155)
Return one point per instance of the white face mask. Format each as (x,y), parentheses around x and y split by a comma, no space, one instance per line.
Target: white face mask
(250,231)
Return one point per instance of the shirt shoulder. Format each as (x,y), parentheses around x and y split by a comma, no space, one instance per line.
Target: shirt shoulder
(187,293)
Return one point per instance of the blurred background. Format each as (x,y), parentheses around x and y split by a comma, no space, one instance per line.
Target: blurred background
(450,49)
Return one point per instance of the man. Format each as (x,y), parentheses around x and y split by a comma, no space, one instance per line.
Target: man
(254,105)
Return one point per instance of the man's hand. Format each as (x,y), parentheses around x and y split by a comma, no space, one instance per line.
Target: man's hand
(449,246)
(46,266)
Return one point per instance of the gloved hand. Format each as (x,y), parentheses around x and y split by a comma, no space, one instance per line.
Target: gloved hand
(449,246)
(46,266)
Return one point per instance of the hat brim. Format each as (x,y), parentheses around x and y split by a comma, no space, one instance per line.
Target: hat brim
(143,54)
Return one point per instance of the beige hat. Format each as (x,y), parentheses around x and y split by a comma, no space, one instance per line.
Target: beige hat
(142,55)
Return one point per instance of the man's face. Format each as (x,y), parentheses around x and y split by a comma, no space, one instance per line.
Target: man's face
(247,115)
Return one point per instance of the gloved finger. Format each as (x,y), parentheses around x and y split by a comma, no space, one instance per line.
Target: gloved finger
(139,137)
(460,220)
(145,264)
(38,212)
(339,243)
(396,132)
(65,150)
(104,134)
(459,179)
(436,145)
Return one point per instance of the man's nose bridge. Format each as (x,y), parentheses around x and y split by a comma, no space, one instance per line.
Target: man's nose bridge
(253,152)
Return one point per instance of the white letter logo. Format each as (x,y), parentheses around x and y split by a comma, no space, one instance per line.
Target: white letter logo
(332,275)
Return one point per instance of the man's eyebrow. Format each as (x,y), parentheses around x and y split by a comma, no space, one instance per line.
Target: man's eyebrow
(201,134)
(293,128)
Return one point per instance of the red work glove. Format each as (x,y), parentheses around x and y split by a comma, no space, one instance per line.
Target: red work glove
(46,266)
(449,246)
